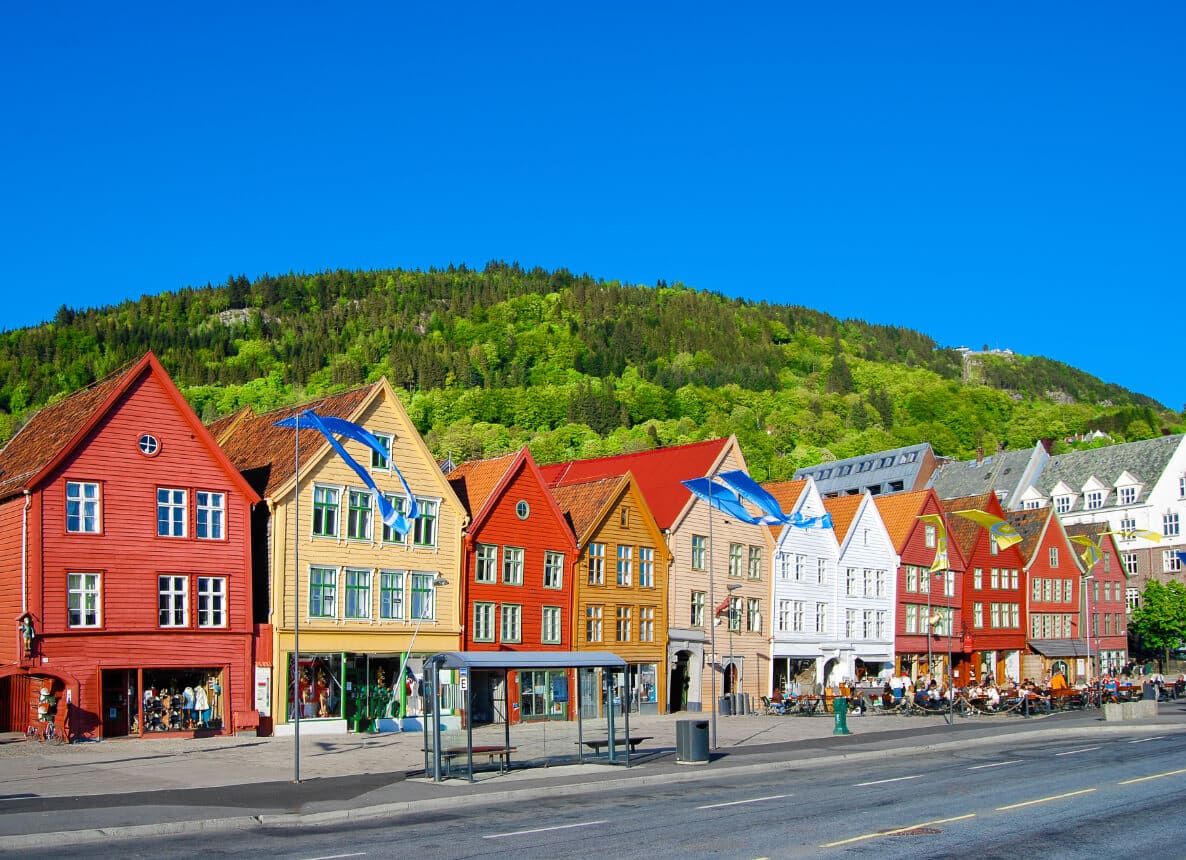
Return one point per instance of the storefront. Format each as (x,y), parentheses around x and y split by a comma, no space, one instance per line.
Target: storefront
(543,694)
(147,701)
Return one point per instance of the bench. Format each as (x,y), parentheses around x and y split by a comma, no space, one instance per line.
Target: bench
(502,753)
(597,743)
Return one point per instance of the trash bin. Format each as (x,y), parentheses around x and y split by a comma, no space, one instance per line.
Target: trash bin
(726,706)
(691,742)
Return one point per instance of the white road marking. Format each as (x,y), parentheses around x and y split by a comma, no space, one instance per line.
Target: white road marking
(1045,799)
(996,764)
(339,856)
(739,802)
(1076,752)
(1146,740)
(546,829)
(883,781)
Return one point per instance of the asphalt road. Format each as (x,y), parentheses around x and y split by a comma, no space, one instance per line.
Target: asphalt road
(1118,796)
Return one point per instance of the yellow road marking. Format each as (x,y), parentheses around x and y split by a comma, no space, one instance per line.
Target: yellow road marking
(1155,776)
(898,830)
(1045,799)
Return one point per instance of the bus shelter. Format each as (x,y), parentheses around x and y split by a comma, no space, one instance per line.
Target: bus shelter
(598,702)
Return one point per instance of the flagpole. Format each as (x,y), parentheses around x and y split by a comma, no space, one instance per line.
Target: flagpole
(712,627)
(296,605)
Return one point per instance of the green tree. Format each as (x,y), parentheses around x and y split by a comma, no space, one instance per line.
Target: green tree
(1160,622)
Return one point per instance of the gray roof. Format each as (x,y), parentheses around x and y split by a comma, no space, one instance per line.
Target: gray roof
(528,660)
(854,474)
(1001,473)
(1145,460)
(1059,647)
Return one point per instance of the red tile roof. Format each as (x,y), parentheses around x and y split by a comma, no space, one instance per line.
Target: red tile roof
(843,510)
(786,492)
(475,480)
(658,474)
(265,454)
(1030,525)
(583,502)
(899,512)
(961,530)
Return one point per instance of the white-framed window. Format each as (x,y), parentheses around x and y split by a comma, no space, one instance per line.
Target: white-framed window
(800,568)
(755,562)
(911,578)
(550,631)
(625,565)
(994,579)
(977,578)
(1169,524)
(358,593)
(929,536)
(1132,598)
(753,615)
(358,514)
(381,462)
(1046,590)
(83,603)
(391,595)
(512,623)
(1182,487)
(797,616)
(850,623)
(593,623)
(424,529)
(994,548)
(212,606)
(1031,504)
(867,583)
(880,583)
(424,605)
(1037,588)
(486,563)
(646,567)
(978,615)
(821,570)
(483,622)
(821,618)
(1014,576)
(596,564)
(699,552)
(170,512)
(646,624)
(1093,500)
(882,623)
(735,550)
(911,618)
(390,535)
(924,581)
(553,569)
(1054,556)
(512,565)
(850,580)
(869,627)
(1126,496)
(1015,616)
(172,601)
(1068,586)
(326,501)
(211,515)
(83,507)
(949,583)
(1131,561)
(1062,504)
(323,592)
(1170,562)
(1127,526)
(697,616)
(622,631)
(735,607)
(784,616)
(994,615)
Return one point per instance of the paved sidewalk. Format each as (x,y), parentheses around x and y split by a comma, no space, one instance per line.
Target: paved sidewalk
(86,791)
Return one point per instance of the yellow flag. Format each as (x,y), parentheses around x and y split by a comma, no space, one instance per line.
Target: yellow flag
(1091,553)
(940,562)
(1005,534)
(1130,534)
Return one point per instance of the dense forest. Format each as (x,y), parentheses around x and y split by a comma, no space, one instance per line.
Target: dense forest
(572,366)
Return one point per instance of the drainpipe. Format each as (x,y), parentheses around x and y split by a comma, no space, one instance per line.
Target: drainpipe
(25,553)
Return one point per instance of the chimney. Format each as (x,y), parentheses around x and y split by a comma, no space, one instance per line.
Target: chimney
(1048,444)
(979,454)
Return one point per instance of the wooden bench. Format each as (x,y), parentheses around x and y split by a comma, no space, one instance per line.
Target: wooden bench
(597,743)
(502,753)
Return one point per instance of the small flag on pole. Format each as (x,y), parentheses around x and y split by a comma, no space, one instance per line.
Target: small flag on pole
(1005,534)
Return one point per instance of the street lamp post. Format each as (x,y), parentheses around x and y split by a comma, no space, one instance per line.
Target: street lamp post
(438,582)
(730,588)
(1087,580)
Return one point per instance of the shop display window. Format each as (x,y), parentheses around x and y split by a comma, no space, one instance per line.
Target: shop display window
(177,700)
(320,686)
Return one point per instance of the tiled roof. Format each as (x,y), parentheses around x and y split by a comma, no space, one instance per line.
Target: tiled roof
(899,512)
(896,464)
(1145,460)
(475,480)
(265,454)
(1001,471)
(657,472)
(843,510)
(1029,525)
(961,530)
(786,492)
(582,502)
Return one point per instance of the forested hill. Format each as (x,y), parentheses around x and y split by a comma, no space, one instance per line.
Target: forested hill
(573,366)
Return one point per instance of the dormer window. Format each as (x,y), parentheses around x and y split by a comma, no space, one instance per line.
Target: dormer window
(1062,504)
(1093,500)
(1126,496)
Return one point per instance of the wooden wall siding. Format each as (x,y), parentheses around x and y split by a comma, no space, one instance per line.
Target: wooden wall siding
(424,477)
(640,531)
(542,531)
(1040,568)
(917,553)
(10,577)
(986,638)
(128,551)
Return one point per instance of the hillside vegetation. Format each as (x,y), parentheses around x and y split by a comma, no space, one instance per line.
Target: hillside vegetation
(572,366)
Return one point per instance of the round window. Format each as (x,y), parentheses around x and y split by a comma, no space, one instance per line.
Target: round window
(149,446)
(522,509)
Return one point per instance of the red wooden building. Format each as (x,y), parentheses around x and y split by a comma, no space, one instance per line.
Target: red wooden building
(994,593)
(125,561)
(517,583)
(1104,599)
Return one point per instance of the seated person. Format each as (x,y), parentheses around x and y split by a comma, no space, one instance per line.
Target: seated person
(1058,682)
(922,698)
(887,696)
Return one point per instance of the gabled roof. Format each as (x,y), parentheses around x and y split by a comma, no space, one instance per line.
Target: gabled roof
(961,530)
(787,493)
(476,480)
(1146,461)
(54,432)
(900,513)
(584,503)
(1004,472)
(844,513)
(657,472)
(265,454)
(1031,525)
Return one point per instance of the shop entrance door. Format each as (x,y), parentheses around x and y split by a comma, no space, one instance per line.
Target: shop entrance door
(119,703)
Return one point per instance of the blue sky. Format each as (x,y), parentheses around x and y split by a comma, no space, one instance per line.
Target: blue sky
(1011,176)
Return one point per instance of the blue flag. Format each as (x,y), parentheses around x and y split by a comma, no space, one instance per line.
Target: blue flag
(750,490)
(721,498)
(327,426)
(799,521)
